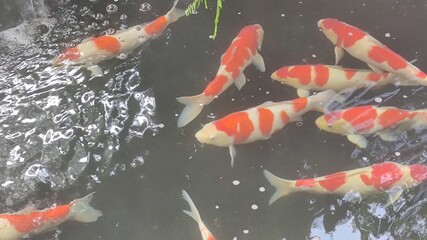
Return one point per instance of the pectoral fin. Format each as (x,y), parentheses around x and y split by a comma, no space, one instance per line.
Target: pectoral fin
(375,69)
(232,154)
(240,81)
(388,135)
(394,195)
(258,61)
(339,54)
(96,71)
(303,93)
(359,140)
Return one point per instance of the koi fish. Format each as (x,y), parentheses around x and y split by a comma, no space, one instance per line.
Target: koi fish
(242,52)
(194,214)
(260,122)
(357,122)
(29,222)
(306,78)
(366,48)
(97,49)
(373,179)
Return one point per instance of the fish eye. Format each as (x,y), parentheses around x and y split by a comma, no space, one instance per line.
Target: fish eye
(211,137)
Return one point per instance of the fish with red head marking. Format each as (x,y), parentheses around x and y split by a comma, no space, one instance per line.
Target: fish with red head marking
(194,214)
(366,48)
(241,53)
(30,222)
(306,78)
(358,122)
(260,122)
(373,179)
(97,49)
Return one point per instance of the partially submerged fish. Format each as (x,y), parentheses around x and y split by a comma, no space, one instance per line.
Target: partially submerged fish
(306,78)
(357,122)
(367,180)
(242,52)
(30,222)
(97,49)
(194,214)
(260,122)
(366,48)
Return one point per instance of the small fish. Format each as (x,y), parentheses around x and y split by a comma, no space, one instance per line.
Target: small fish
(242,52)
(306,78)
(358,122)
(260,122)
(366,48)
(377,178)
(97,49)
(29,222)
(194,214)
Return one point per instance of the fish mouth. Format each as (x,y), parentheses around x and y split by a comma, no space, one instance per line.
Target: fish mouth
(199,137)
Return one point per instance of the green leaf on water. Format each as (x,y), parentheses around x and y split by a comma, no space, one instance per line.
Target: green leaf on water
(192,8)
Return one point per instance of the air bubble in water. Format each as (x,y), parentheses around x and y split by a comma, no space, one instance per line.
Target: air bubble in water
(299,124)
(112,8)
(123,17)
(122,56)
(145,7)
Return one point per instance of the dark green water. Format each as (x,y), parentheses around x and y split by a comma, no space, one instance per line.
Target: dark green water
(117,134)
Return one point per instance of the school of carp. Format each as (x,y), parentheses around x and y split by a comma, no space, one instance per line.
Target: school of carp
(260,122)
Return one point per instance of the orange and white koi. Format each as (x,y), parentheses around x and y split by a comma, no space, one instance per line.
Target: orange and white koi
(366,48)
(242,52)
(387,176)
(306,78)
(194,214)
(260,122)
(357,122)
(96,49)
(29,222)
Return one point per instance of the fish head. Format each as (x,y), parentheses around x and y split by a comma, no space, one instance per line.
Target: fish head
(209,134)
(67,55)
(281,74)
(329,27)
(418,172)
(333,122)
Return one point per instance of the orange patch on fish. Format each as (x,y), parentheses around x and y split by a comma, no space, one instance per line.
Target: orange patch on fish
(391,117)
(333,181)
(347,35)
(157,26)
(421,74)
(284,116)
(383,176)
(25,223)
(215,87)
(349,73)
(107,43)
(361,118)
(301,72)
(299,104)
(383,54)
(266,120)
(418,172)
(236,124)
(322,75)
(374,77)
(70,54)
(308,182)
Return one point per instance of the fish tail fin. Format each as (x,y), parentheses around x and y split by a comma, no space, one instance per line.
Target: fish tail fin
(193,213)
(320,101)
(83,212)
(193,106)
(177,11)
(283,187)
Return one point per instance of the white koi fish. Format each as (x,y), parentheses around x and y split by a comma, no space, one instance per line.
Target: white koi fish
(367,180)
(366,48)
(242,52)
(306,78)
(97,49)
(194,214)
(260,122)
(14,226)
(357,122)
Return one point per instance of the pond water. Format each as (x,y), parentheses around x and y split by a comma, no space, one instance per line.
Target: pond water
(65,134)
